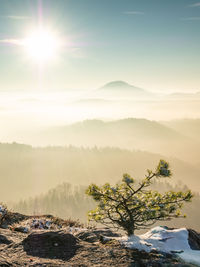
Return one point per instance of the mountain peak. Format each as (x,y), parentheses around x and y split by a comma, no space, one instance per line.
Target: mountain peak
(121,86)
(123,89)
(117,84)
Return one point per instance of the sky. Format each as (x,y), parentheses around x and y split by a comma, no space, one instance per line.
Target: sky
(153,44)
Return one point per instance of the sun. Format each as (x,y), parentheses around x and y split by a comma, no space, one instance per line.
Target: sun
(42,45)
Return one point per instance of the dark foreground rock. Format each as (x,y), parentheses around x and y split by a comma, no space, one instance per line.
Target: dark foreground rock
(59,245)
(193,239)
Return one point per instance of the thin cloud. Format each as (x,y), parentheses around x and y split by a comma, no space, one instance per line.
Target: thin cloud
(133,13)
(191,19)
(11,41)
(195,5)
(15,17)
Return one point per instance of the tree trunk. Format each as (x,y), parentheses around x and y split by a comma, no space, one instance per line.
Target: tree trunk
(130,231)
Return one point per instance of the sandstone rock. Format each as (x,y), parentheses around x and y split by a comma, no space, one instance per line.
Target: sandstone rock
(96,235)
(42,244)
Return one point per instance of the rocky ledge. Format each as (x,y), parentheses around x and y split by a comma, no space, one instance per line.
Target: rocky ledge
(49,241)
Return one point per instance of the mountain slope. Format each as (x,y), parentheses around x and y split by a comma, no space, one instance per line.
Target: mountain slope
(120,85)
(189,127)
(139,134)
(123,90)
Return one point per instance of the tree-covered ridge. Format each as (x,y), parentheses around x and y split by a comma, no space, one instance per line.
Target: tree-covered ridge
(67,200)
(34,170)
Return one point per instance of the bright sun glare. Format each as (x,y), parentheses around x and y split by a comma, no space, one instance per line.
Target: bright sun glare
(42,45)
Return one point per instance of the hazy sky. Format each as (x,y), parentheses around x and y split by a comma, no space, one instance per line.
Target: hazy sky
(153,44)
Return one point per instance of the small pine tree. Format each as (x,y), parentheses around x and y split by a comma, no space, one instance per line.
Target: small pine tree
(133,207)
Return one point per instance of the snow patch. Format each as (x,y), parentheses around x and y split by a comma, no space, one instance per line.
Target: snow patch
(165,240)
(191,256)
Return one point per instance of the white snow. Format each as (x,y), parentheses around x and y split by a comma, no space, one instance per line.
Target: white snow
(3,210)
(41,224)
(191,256)
(165,240)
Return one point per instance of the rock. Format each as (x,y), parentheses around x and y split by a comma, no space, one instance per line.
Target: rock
(11,218)
(194,239)
(96,235)
(21,229)
(106,232)
(4,240)
(52,247)
(42,244)
(87,236)
(5,263)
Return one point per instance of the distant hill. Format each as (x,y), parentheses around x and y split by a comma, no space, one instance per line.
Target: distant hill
(136,128)
(27,171)
(121,88)
(189,127)
(120,85)
(139,134)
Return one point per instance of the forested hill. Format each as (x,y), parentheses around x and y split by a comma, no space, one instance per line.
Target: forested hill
(131,133)
(27,171)
(68,201)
